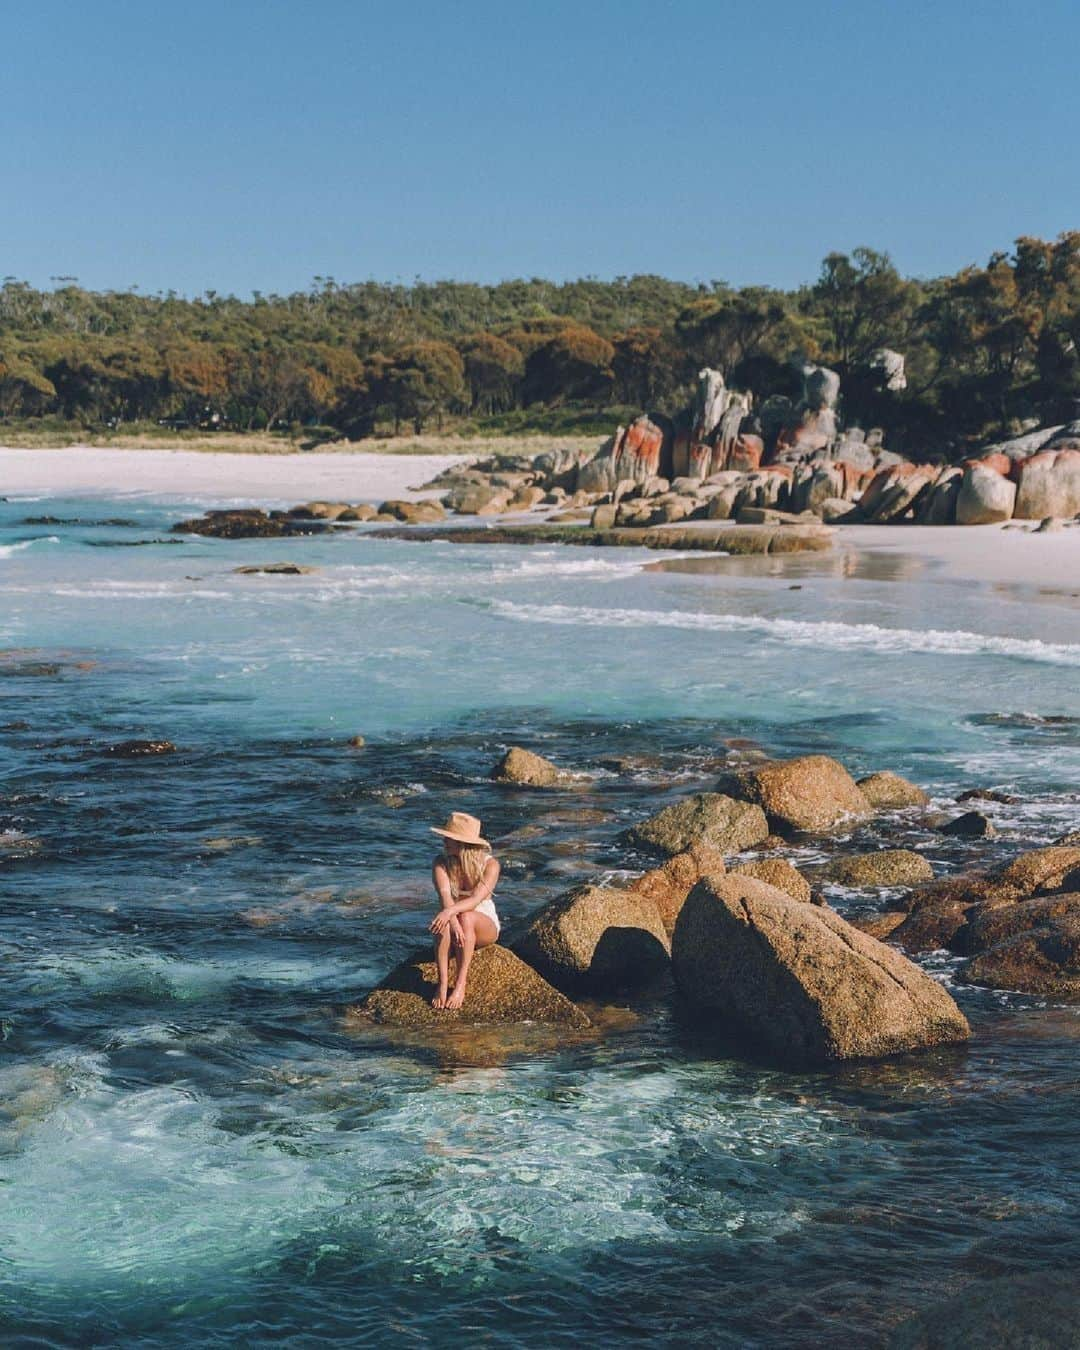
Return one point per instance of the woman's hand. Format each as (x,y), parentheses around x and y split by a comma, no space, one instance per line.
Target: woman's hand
(439,923)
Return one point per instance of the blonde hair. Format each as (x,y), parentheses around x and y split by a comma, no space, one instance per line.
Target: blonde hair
(466,870)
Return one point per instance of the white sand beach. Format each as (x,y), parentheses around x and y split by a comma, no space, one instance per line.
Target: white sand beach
(987,553)
(192,476)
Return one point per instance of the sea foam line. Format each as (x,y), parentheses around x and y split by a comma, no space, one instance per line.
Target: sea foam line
(6,550)
(802,632)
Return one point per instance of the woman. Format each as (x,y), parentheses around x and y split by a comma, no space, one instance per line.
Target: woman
(465,875)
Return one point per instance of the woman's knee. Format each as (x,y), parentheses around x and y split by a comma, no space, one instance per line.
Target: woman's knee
(468,922)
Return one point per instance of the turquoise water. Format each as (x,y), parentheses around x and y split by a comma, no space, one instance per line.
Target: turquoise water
(196,1148)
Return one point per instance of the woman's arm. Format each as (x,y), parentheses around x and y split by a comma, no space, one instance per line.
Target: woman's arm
(448,913)
(441,877)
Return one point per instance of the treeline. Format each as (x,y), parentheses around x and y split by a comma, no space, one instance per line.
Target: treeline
(987,349)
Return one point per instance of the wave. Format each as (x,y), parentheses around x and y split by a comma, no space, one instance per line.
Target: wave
(801,632)
(6,550)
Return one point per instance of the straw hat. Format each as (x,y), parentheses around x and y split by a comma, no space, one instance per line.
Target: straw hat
(462,827)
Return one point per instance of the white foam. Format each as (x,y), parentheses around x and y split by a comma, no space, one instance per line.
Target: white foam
(6,550)
(801,632)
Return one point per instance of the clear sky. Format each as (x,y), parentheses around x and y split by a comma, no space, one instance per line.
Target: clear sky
(254,144)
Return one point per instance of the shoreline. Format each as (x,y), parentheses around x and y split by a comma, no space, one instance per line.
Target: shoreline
(987,554)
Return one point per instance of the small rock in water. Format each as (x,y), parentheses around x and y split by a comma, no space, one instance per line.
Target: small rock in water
(135,749)
(887,867)
(988,795)
(705,818)
(15,844)
(1050,525)
(971,825)
(526,769)
(285,569)
(890,790)
(357,742)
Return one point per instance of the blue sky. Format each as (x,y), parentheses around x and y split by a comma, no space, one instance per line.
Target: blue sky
(255,144)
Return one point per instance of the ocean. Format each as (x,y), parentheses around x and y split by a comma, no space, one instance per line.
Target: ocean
(196,1146)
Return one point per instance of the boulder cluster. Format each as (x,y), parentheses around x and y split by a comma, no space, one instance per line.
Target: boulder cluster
(706,464)
(749,944)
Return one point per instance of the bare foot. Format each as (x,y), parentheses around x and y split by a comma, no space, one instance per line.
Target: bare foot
(439,1001)
(457,997)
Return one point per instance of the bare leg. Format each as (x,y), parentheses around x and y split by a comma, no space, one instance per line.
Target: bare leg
(442,961)
(479,932)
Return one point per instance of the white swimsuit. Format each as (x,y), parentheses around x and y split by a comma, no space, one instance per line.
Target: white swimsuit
(485,907)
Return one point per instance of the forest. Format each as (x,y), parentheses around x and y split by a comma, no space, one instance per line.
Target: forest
(988,350)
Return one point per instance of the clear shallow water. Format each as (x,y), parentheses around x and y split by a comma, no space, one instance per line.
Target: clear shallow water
(195,1148)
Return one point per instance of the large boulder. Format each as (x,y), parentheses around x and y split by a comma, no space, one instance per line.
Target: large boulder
(939,910)
(800,981)
(1042,869)
(638,452)
(595,938)
(1049,485)
(985,496)
(502,988)
(707,818)
(889,790)
(526,769)
(938,506)
(668,886)
(886,867)
(1039,952)
(810,793)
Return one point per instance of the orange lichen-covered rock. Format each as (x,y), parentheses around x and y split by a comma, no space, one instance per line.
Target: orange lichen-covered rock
(746,454)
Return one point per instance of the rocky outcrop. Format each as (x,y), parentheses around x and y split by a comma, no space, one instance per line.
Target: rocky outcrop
(812,793)
(526,769)
(668,886)
(887,867)
(888,790)
(706,818)
(636,453)
(1041,869)
(800,981)
(595,938)
(249,524)
(985,496)
(502,989)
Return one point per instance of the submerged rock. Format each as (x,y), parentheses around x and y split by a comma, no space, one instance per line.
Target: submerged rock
(890,790)
(802,982)
(286,569)
(595,938)
(810,793)
(987,795)
(502,988)
(971,825)
(1012,1312)
(249,524)
(706,818)
(135,749)
(887,867)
